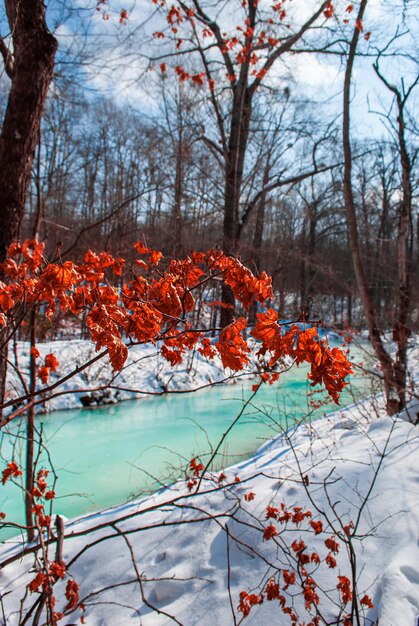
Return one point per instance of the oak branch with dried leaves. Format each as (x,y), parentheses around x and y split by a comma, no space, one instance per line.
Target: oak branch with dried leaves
(155,305)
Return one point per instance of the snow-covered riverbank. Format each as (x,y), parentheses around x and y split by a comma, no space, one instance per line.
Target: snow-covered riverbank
(145,371)
(93,382)
(355,464)
(182,557)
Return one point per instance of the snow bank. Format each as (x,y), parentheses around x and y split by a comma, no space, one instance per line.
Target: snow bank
(145,371)
(190,550)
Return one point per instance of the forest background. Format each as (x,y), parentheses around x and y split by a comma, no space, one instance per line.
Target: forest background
(129,151)
(283,134)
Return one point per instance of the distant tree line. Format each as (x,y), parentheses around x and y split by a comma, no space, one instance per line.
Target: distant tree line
(105,177)
(232,153)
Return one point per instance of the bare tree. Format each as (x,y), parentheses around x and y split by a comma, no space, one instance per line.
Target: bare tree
(232,103)
(28,57)
(393,369)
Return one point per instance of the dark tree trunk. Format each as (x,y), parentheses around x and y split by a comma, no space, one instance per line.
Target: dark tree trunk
(30,70)
(177,206)
(34,51)
(239,133)
(307,273)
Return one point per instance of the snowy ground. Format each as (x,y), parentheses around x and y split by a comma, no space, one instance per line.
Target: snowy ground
(358,463)
(184,558)
(145,371)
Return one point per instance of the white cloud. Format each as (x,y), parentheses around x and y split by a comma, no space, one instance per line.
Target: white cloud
(311,71)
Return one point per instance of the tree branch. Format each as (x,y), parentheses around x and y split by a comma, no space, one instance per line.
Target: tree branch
(281,182)
(7,59)
(286,47)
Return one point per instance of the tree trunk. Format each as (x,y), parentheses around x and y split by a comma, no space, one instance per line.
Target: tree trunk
(34,51)
(307,273)
(366,297)
(259,226)
(30,71)
(177,207)
(239,133)
(401,331)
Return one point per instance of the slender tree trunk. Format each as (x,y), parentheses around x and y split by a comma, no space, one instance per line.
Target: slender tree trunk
(349,309)
(381,256)
(307,274)
(401,331)
(302,248)
(177,207)
(239,133)
(258,233)
(365,295)
(260,216)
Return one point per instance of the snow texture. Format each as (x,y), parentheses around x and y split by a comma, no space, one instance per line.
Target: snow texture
(145,371)
(177,557)
(358,462)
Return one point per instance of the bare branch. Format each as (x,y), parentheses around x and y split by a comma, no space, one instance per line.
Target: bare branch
(7,58)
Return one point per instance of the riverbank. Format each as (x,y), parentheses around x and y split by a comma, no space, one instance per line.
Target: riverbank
(194,554)
(90,383)
(185,554)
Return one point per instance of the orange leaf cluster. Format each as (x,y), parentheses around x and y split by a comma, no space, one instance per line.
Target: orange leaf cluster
(328,10)
(195,469)
(366,601)
(247,600)
(157,304)
(51,365)
(344,586)
(283,515)
(57,570)
(309,593)
(72,595)
(249,39)
(144,310)
(244,285)
(332,545)
(270,532)
(233,349)
(297,576)
(12,469)
(328,366)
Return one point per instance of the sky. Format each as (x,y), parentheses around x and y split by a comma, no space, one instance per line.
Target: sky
(106,57)
(117,55)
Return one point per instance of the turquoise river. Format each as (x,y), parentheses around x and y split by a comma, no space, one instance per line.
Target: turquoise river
(113,453)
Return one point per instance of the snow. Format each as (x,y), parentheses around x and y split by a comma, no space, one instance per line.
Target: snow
(181,557)
(183,564)
(145,372)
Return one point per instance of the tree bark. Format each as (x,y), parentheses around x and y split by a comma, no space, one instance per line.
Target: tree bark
(384,359)
(30,71)
(177,206)
(34,51)
(234,166)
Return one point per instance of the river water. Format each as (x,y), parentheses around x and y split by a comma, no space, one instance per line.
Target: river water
(113,453)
